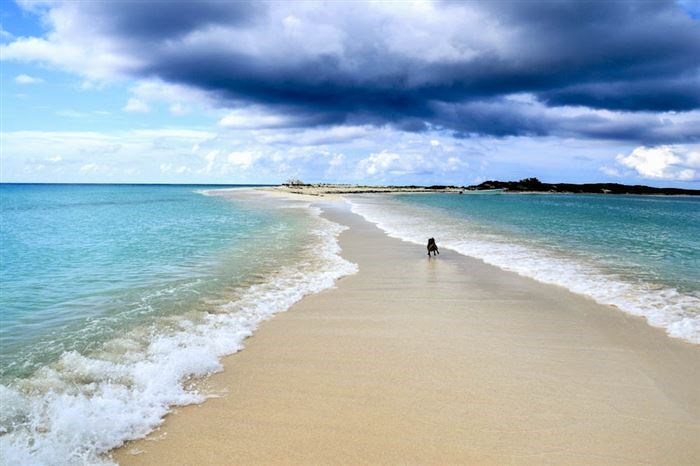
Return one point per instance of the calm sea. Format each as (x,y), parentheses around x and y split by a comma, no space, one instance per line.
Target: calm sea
(639,253)
(113,296)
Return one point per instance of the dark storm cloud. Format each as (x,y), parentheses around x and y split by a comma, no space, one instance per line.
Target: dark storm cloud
(613,55)
(644,129)
(659,95)
(165,20)
(502,118)
(508,118)
(450,67)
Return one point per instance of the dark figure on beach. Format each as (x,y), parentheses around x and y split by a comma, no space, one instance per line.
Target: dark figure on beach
(432,247)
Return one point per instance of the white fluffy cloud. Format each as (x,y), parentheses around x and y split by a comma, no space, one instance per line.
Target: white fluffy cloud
(253,118)
(158,155)
(663,162)
(4,34)
(322,136)
(381,164)
(135,156)
(179,99)
(243,159)
(137,106)
(26,79)
(99,62)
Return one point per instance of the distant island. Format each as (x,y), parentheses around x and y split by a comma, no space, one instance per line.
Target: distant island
(535,185)
(526,185)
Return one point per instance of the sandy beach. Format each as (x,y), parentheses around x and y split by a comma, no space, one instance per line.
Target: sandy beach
(335,191)
(440,361)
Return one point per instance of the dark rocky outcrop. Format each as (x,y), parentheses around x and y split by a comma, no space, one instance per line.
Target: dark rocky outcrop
(535,185)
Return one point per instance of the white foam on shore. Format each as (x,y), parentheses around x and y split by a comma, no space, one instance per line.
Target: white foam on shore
(678,314)
(78,409)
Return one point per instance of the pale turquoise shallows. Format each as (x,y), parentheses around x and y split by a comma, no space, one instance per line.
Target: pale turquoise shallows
(639,253)
(114,297)
(83,263)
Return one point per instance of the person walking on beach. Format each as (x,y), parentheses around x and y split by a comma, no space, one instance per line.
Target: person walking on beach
(432,247)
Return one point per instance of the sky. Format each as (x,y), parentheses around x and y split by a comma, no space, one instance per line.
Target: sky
(427,92)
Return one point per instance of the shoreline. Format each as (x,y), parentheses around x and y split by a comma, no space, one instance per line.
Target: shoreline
(330,191)
(468,362)
(336,191)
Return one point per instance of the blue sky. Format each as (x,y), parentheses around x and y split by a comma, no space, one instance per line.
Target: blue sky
(389,92)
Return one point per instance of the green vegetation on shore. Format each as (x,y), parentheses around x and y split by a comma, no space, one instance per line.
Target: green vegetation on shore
(524,185)
(535,185)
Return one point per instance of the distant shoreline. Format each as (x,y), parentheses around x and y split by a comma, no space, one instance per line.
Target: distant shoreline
(526,186)
(535,185)
(340,189)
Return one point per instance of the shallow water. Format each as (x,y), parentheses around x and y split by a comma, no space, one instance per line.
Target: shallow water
(639,253)
(114,296)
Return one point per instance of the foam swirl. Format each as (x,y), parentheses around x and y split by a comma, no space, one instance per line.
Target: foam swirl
(677,313)
(77,409)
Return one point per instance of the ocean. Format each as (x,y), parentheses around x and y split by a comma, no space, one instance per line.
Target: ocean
(113,297)
(640,254)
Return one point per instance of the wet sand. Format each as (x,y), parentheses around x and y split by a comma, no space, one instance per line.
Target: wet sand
(441,361)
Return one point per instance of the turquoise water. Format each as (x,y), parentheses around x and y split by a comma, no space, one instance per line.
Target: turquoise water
(80,263)
(655,239)
(639,253)
(112,297)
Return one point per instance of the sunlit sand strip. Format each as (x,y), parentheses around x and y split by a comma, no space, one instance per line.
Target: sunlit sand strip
(446,361)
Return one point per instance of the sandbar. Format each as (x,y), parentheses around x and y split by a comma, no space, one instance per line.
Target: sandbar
(440,361)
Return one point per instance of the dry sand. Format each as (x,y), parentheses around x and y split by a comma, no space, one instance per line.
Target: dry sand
(336,190)
(446,361)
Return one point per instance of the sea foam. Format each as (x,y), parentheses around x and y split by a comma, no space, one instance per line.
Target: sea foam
(79,408)
(677,313)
